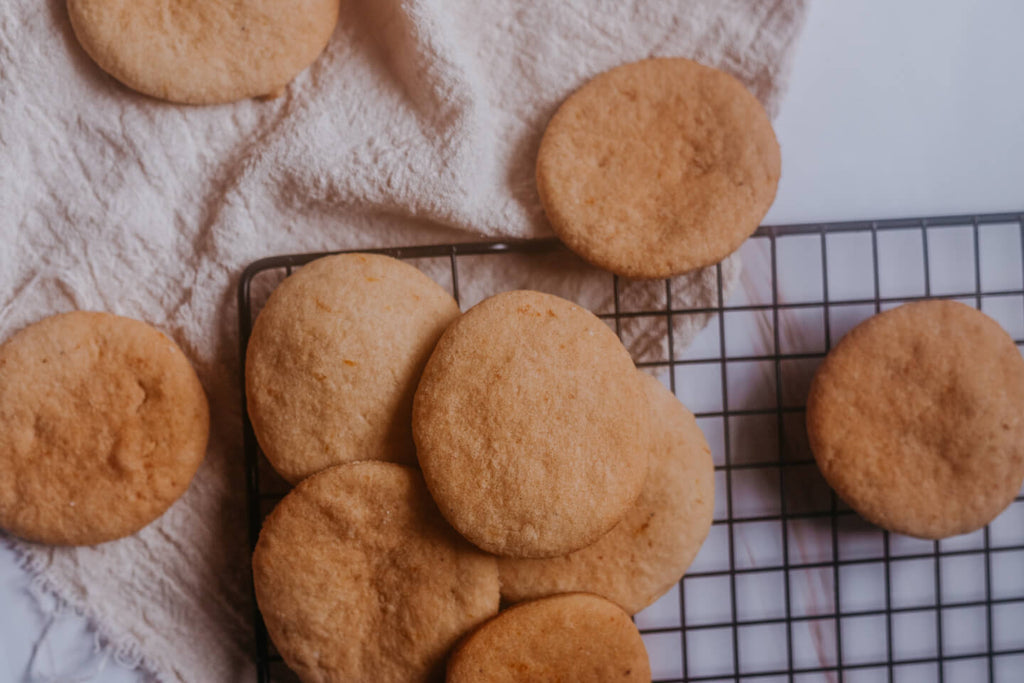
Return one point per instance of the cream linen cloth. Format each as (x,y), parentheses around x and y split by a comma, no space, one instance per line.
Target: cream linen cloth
(419,124)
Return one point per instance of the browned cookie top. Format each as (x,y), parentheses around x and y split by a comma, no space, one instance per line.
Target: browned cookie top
(658,167)
(103,423)
(572,637)
(649,550)
(334,359)
(531,426)
(359,578)
(203,52)
(916,418)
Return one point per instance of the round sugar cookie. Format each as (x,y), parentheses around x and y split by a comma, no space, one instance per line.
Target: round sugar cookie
(334,358)
(206,52)
(646,553)
(103,423)
(359,578)
(658,167)
(573,637)
(531,426)
(916,419)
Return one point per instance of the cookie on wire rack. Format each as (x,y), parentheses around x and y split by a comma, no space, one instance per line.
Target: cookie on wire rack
(104,424)
(658,167)
(646,553)
(531,426)
(916,419)
(359,578)
(572,637)
(203,52)
(334,358)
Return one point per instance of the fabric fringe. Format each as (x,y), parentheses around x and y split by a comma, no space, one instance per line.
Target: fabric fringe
(57,601)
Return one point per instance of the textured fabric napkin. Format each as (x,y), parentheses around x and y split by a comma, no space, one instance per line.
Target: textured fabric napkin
(419,124)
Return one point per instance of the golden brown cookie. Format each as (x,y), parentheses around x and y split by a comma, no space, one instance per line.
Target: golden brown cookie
(203,52)
(531,426)
(916,419)
(649,550)
(334,359)
(573,637)
(103,423)
(658,167)
(359,578)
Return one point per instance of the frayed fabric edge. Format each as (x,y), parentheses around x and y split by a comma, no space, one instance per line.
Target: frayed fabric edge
(125,650)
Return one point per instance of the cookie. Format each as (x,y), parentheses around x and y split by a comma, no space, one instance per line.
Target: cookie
(649,550)
(531,426)
(203,52)
(334,358)
(658,167)
(574,637)
(104,423)
(359,578)
(916,419)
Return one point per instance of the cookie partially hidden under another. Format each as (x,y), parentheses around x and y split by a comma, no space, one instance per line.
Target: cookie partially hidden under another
(359,578)
(658,167)
(916,419)
(103,423)
(334,359)
(531,426)
(649,550)
(205,52)
(573,637)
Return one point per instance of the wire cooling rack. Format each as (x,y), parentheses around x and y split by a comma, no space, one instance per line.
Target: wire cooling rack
(790,585)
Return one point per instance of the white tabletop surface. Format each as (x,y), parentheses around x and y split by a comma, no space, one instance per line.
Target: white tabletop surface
(894,109)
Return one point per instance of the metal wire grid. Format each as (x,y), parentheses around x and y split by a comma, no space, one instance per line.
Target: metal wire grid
(1000,655)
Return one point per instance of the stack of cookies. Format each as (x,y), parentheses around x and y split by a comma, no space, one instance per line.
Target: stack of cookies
(447,463)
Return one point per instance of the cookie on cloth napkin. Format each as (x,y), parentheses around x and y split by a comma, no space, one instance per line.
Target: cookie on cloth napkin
(203,52)
(531,426)
(103,423)
(646,553)
(916,419)
(359,578)
(658,167)
(334,358)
